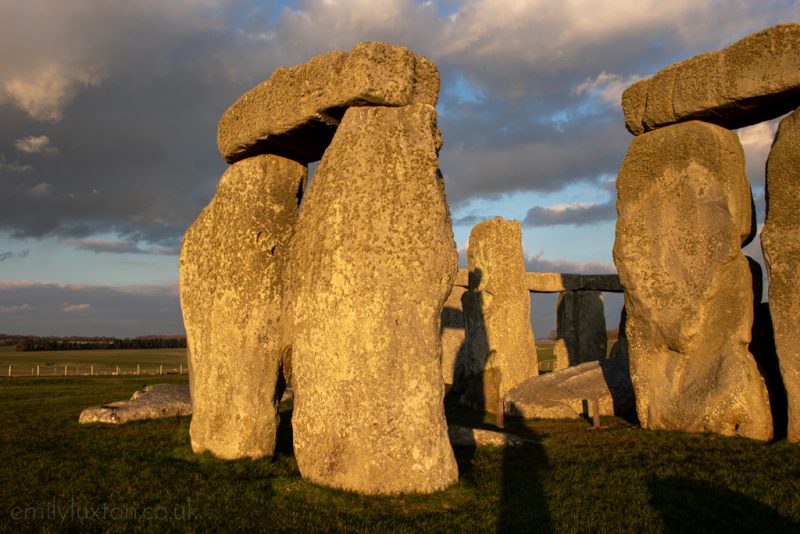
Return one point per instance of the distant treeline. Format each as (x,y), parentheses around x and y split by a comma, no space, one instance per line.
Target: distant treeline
(35,343)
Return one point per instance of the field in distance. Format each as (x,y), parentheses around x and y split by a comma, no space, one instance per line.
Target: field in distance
(104,361)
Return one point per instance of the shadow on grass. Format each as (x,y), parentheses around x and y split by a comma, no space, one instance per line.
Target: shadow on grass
(693,506)
(522,501)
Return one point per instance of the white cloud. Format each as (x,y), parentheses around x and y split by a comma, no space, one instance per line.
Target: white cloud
(44,93)
(13,166)
(607,87)
(15,308)
(35,144)
(69,308)
(41,189)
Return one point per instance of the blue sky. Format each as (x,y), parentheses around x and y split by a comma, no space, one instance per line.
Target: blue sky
(108,115)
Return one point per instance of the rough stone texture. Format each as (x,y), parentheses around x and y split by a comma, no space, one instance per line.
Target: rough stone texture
(462,436)
(568,393)
(560,355)
(782,257)
(231,277)
(634,99)
(296,111)
(684,208)
(558,282)
(373,261)
(581,323)
(620,348)
(753,80)
(452,334)
(152,402)
(500,349)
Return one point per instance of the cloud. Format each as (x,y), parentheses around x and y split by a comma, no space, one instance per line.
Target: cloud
(44,93)
(538,263)
(69,308)
(42,189)
(118,311)
(35,144)
(607,87)
(13,166)
(15,308)
(9,255)
(118,247)
(577,214)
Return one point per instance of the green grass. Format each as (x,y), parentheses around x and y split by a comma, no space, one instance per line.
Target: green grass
(105,361)
(568,479)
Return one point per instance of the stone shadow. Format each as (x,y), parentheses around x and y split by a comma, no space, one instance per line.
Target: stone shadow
(523,504)
(687,505)
(762,347)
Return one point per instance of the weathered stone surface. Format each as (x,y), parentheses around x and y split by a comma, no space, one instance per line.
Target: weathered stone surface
(231,277)
(560,354)
(581,323)
(452,334)
(753,80)
(296,111)
(152,402)
(634,99)
(558,282)
(620,347)
(500,349)
(373,260)
(462,436)
(782,256)
(684,209)
(568,393)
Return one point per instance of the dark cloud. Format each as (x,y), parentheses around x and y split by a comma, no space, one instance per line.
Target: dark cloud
(9,254)
(118,247)
(59,309)
(577,214)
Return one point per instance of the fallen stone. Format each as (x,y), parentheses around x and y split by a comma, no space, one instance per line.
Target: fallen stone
(569,393)
(684,209)
(231,286)
(461,436)
(500,348)
(581,324)
(296,111)
(782,257)
(152,402)
(452,334)
(373,260)
(753,80)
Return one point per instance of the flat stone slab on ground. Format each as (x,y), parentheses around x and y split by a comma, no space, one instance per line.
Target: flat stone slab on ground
(152,402)
(562,394)
(462,436)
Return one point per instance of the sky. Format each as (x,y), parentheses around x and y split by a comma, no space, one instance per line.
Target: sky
(109,111)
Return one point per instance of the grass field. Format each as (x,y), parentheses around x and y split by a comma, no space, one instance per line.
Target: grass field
(57,475)
(104,361)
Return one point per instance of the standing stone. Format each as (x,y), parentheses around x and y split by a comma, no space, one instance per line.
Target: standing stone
(779,239)
(581,323)
(684,209)
(373,261)
(231,283)
(452,335)
(501,351)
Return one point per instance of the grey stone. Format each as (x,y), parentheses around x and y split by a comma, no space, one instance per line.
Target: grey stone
(782,257)
(231,283)
(462,436)
(581,324)
(373,260)
(152,402)
(569,393)
(296,111)
(500,348)
(452,334)
(752,80)
(684,209)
